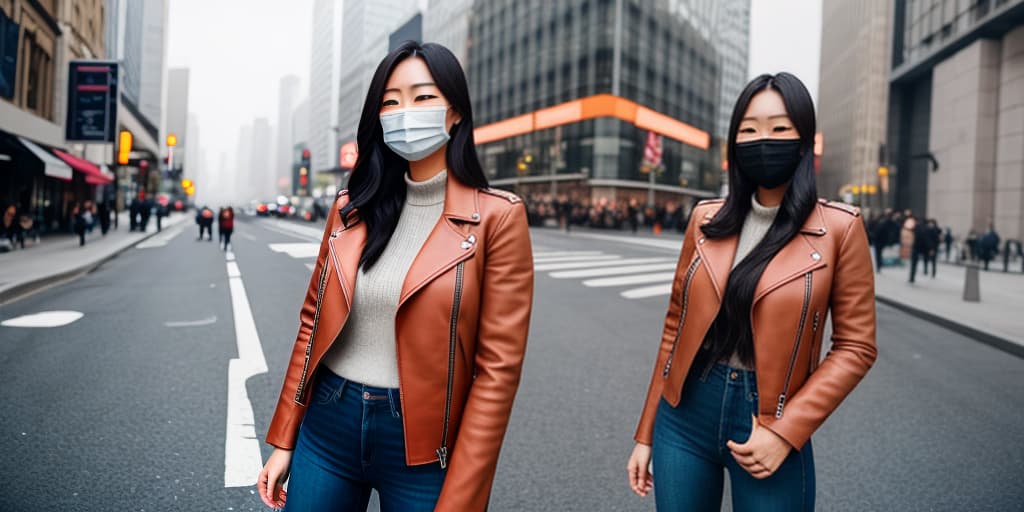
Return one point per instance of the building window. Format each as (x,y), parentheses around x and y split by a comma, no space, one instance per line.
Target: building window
(8,55)
(38,77)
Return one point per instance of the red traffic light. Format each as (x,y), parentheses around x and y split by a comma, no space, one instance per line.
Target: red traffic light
(305,153)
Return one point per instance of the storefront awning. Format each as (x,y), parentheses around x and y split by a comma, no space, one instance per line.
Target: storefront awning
(52,166)
(92,172)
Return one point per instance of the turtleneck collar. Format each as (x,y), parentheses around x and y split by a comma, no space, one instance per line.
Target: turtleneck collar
(761,211)
(426,193)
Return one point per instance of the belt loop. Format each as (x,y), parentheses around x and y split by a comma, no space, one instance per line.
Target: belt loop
(341,387)
(396,410)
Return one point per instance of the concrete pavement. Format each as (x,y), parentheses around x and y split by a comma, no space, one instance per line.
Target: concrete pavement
(58,257)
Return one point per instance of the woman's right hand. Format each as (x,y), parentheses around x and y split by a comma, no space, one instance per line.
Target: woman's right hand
(273,476)
(640,479)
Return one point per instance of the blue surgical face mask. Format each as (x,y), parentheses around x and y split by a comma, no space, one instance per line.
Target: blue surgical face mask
(415,133)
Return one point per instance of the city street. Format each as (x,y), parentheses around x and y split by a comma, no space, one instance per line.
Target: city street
(128,407)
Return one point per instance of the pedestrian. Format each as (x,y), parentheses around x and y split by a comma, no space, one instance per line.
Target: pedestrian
(433,336)
(103,212)
(934,242)
(161,212)
(879,237)
(78,222)
(88,217)
(145,211)
(758,273)
(633,213)
(907,235)
(920,248)
(225,226)
(989,245)
(133,214)
(11,229)
(204,219)
(220,232)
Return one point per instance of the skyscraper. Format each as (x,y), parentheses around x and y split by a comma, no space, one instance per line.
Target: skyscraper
(324,81)
(853,94)
(957,100)
(364,44)
(288,98)
(567,94)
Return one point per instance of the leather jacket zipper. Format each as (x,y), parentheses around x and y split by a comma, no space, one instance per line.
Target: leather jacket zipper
(312,334)
(812,364)
(808,281)
(682,314)
(442,452)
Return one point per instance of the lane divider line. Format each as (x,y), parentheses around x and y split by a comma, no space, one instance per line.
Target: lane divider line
(242,457)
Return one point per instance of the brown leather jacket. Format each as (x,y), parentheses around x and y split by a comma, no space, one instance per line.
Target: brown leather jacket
(826,266)
(461,332)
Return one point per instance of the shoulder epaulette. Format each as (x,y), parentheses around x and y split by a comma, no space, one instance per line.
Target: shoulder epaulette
(848,208)
(504,194)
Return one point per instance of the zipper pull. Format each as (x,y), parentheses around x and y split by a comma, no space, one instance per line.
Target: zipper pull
(782,403)
(814,327)
(442,456)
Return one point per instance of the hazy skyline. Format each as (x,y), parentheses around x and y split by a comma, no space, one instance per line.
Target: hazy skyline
(238,50)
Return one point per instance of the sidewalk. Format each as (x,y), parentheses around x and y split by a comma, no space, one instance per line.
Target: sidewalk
(998,319)
(58,257)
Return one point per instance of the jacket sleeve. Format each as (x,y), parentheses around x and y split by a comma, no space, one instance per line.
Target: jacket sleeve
(284,427)
(853,342)
(506,301)
(645,429)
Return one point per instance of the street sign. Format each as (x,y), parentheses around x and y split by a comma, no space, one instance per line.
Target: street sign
(92,101)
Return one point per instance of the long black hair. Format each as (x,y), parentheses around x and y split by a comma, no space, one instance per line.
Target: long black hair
(377,185)
(731,330)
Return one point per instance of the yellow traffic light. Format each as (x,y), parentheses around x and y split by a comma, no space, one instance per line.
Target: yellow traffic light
(855,189)
(883,171)
(172,140)
(124,147)
(186,184)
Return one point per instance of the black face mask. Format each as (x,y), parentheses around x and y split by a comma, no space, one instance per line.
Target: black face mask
(768,163)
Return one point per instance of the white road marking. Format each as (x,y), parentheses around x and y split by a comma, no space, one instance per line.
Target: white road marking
(242,457)
(674,245)
(630,280)
(43,319)
(552,254)
(596,264)
(162,239)
(297,250)
(192,323)
(563,259)
(650,291)
(296,230)
(595,272)
(230,255)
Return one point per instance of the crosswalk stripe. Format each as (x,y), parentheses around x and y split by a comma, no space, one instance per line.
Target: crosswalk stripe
(551,254)
(563,259)
(595,272)
(297,250)
(629,280)
(649,291)
(597,264)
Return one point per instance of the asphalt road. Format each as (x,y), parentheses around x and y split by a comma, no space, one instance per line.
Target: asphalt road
(125,408)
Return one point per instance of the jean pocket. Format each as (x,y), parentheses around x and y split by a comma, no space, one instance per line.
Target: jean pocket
(325,393)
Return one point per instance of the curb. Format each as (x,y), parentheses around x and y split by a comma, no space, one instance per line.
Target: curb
(23,290)
(997,342)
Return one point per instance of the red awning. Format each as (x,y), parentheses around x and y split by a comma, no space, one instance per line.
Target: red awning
(93,174)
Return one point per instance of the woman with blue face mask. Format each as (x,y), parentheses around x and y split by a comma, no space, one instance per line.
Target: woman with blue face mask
(739,385)
(414,326)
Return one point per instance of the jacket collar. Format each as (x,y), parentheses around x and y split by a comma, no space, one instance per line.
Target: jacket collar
(799,256)
(448,243)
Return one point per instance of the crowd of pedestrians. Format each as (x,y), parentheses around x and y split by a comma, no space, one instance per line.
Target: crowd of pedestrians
(225,218)
(922,240)
(567,212)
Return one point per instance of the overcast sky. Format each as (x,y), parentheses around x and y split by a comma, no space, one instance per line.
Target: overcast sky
(238,50)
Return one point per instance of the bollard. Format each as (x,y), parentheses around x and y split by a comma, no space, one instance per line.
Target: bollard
(972,293)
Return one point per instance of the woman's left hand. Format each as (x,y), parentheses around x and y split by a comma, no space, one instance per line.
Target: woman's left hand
(762,454)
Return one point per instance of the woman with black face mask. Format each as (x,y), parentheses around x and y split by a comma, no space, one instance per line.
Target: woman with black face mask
(738,381)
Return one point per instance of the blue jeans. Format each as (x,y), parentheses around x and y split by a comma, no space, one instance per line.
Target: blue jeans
(351,441)
(689,451)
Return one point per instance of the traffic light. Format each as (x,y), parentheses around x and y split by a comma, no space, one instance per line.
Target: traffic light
(186,183)
(172,140)
(124,147)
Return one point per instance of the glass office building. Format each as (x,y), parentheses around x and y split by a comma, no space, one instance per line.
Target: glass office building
(566,94)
